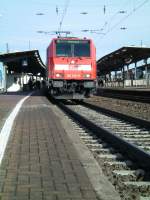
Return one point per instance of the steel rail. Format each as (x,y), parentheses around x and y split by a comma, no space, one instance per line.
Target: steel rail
(137,121)
(131,151)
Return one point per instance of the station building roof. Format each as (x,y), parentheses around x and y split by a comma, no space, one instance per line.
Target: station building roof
(121,57)
(24,62)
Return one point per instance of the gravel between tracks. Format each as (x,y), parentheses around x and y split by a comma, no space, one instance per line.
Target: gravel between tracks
(132,108)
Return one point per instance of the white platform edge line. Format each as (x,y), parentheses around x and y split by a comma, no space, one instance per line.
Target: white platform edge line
(5,132)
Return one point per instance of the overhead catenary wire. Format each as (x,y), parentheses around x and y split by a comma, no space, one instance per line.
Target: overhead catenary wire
(63,15)
(108,22)
(127,16)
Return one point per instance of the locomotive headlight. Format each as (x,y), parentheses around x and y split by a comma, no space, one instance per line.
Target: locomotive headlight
(86,75)
(59,75)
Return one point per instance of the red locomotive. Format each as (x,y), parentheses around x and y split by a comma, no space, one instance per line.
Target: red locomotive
(71,68)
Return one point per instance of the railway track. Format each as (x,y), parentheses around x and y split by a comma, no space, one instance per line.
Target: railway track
(121,148)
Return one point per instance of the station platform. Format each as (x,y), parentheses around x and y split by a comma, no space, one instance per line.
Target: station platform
(44,157)
(147,89)
(136,91)
(7,103)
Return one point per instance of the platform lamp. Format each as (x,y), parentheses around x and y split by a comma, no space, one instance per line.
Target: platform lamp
(128,60)
(24,62)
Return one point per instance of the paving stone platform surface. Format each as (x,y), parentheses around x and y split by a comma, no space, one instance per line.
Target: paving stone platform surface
(40,161)
(7,103)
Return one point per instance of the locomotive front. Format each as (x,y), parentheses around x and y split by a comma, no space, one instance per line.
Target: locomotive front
(71,66)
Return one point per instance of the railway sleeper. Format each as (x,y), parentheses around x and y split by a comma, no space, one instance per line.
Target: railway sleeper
(145,148)
(109,157)
(119,176)
(138,139)
(146,136)
(141,132)
(146,143)
(96,150)
(83,133)
(97,145)
(134,190)
(109,166)
(90,141)
(144,198)
(128,136)
(87,137)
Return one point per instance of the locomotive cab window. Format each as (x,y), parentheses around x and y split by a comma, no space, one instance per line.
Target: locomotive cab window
(73,48)
(63,49)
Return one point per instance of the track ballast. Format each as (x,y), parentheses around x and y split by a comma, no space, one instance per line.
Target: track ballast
(122,148)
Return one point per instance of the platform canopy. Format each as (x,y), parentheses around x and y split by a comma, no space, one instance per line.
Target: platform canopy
(24,62)
(121,57)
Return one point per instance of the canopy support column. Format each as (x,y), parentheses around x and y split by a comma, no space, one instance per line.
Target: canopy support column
(123,76)
(5,77)
(146,73)
(135,73)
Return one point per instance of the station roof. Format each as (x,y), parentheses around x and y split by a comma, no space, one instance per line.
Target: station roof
(24,62)
(121,57)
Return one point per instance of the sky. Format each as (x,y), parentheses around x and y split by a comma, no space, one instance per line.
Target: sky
(111,24)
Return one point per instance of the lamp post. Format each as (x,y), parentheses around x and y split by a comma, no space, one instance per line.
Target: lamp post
(7,48)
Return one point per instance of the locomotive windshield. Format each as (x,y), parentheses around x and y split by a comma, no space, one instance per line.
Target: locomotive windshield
(73,48)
